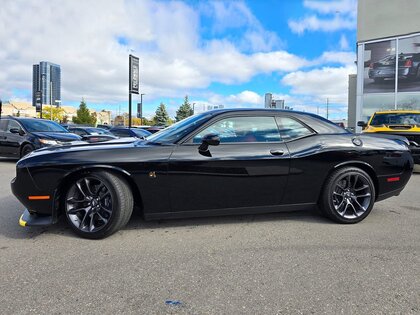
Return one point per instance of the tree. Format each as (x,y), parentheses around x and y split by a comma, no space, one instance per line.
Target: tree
(147,122)
(58,113)
(84,116)
(161,118)
(184,110)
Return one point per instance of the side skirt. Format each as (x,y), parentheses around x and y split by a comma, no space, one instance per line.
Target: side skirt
(229,211)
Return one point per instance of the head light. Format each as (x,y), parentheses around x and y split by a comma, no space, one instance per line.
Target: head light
(48,142)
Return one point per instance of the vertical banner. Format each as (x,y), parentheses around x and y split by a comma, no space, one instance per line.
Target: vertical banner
(134,74)
(139,110)
(38,101)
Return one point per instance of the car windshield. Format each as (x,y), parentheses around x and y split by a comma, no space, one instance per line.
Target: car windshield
(180,129)
(40,125)
(396,119)
(141,132)
(98,131)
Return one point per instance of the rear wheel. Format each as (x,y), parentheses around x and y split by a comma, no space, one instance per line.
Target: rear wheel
(98,204)
(348,196)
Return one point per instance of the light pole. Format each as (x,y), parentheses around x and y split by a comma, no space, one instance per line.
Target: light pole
(141,108)
(193,108)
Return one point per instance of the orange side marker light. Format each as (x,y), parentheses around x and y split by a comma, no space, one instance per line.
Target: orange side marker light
(39,197)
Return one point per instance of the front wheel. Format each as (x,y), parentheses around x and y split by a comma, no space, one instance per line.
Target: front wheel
(27,148)
(348,196)
(98,204)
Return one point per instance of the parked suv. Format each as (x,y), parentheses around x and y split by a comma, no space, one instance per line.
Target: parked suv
(20,136)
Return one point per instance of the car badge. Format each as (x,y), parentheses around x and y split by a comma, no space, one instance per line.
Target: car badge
(357,141)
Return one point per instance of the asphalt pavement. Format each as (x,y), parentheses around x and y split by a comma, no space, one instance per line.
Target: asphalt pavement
(287,263)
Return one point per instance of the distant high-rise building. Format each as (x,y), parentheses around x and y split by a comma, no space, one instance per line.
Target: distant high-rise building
(46,77)
(269,102)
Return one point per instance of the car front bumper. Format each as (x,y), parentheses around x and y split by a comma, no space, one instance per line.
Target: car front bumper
(28,219)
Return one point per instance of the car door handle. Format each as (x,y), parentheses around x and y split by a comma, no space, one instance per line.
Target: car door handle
(276,152)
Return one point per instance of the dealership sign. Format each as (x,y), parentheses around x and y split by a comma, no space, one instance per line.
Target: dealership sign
(134,74)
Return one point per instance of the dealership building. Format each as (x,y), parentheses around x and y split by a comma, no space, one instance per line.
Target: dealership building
(387,31)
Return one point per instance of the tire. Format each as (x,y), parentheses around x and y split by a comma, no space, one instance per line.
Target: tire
(348,195)
(98,204)
(26,149)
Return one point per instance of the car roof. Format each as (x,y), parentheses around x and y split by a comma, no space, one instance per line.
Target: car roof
(398,111)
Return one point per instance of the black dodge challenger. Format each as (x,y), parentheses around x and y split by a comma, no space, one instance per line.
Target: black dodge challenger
(215,163)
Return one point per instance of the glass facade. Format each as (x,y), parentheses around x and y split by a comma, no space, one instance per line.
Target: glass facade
(46,77)
(391,75)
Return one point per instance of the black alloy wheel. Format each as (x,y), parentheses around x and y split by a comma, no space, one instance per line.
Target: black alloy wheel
(27,148)
(348,196)
(98,204)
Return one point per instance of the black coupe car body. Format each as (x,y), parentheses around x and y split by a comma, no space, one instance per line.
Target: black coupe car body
(215,163)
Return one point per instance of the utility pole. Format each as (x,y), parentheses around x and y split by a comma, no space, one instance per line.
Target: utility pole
(141,107)
(328,103)
(51,118)
(1,107)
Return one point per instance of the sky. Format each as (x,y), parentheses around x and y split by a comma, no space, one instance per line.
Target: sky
(216,52)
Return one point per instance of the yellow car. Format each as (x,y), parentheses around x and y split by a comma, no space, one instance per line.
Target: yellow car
(404,123)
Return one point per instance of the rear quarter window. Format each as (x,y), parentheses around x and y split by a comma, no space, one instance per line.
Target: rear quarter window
(291,129)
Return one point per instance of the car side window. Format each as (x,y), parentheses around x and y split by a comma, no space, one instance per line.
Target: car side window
(13,124)
(122,133)
(3,124)
(291,129)
(79,132)
(242,129)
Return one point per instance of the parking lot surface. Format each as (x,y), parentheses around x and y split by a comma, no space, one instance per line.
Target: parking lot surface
(287,263)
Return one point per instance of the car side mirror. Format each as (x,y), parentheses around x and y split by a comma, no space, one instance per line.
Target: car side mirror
(17,131)
(362,124)
(209,139)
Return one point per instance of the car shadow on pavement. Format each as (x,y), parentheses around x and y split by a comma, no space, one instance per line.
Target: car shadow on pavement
(308,216)
(8,160)
(10,228)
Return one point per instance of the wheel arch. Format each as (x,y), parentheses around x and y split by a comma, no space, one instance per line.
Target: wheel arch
(23,144)
(76,173)
(359,164)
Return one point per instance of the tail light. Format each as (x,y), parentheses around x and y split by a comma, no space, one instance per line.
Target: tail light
(408,63)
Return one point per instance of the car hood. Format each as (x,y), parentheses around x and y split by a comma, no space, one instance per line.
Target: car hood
(392,128)
(103,153)
(58,136)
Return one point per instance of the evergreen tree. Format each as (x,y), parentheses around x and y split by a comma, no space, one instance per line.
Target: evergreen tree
(161,118)
(84,116)
(184,110)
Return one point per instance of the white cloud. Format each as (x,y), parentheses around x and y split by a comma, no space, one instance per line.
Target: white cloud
(315,23)
(344,43)
(245,98)
(327,82)
(236,15)
(326,7)
(335,15)
(82,36)
(341,57)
